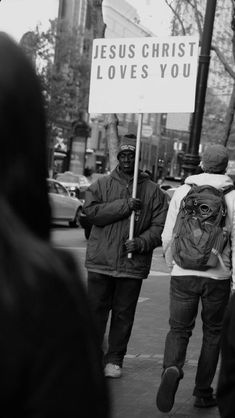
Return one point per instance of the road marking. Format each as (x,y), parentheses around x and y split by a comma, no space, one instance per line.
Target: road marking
(70,248)
(155,257)
(141,299)
(158,273)
(158,358)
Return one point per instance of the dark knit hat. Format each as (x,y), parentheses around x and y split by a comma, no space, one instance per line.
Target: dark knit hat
(127,143)
(215,159)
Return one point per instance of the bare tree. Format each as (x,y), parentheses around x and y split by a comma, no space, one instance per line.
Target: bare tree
(231,107)
(182,24)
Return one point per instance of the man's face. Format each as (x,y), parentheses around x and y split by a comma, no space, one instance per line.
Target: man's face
(127,161)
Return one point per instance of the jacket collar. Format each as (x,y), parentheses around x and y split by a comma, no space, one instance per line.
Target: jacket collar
(118,175)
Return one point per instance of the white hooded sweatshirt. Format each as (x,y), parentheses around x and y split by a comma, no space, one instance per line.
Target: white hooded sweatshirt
(221,272)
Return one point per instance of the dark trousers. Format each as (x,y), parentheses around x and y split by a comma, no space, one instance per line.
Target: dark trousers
(120,296)
(185,294)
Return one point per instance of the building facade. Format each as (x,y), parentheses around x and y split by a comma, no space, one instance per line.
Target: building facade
(159,145)
(123,21)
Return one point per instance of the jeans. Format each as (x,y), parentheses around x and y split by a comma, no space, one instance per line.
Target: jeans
(185,294)
(120,296)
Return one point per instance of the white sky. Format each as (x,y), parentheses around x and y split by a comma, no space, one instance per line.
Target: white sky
(20,16)
(154,14)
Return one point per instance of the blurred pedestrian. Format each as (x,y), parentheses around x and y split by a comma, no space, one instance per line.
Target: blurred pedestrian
(114,280)
(226,382)
(49,358)
(189,286)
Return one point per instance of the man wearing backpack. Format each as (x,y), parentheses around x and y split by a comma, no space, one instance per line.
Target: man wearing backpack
(205,282)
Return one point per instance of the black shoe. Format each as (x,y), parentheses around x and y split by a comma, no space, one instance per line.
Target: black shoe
(208,402)
(167,389)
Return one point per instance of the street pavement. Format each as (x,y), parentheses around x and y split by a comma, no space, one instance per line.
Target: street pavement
(134,394)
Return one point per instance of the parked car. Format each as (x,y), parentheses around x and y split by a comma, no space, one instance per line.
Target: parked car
(64,207)
(168,190)
(76,184)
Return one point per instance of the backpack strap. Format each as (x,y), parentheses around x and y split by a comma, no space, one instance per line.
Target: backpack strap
(228,189)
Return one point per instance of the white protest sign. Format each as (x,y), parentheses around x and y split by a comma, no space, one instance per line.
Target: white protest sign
(143,75)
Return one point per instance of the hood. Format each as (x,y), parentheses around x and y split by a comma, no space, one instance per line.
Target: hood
(69,184)
(117,174)
(217,180)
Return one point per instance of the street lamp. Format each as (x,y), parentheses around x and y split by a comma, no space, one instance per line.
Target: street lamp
(192,159)
(81,131)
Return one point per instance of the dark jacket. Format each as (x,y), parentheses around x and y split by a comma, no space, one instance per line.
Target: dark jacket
(50,358)
(107,208)
(226,382)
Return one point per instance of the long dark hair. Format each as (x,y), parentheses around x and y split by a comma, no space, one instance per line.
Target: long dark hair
(42,300)
(23,159)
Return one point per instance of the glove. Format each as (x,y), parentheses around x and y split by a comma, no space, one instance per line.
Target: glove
(134,204)
(134,245)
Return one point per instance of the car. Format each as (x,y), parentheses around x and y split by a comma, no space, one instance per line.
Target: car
(76,184)
(84,222)
(64,207)
(170,191)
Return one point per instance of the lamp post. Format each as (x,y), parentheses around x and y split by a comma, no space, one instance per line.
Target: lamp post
(81,131)
(192,159)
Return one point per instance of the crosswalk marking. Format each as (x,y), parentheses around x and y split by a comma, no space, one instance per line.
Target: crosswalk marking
(158,273)
(158,358)
(141,299)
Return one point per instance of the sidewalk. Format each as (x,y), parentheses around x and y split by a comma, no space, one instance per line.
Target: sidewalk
(134,394)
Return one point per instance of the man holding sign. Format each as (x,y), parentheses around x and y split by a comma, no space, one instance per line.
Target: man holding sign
(114,279)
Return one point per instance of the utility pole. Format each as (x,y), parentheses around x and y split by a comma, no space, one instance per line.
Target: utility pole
(192,159)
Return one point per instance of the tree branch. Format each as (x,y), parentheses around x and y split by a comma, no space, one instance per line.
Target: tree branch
(198,17)
(222,59)
(177,16)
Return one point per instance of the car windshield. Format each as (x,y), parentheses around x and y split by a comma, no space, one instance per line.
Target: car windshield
(73,178)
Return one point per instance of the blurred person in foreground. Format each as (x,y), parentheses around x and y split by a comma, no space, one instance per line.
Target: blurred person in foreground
(114,280)
(188,287)
(226,382)
(49,357)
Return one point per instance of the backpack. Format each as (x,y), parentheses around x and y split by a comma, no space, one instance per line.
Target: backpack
(199,234)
